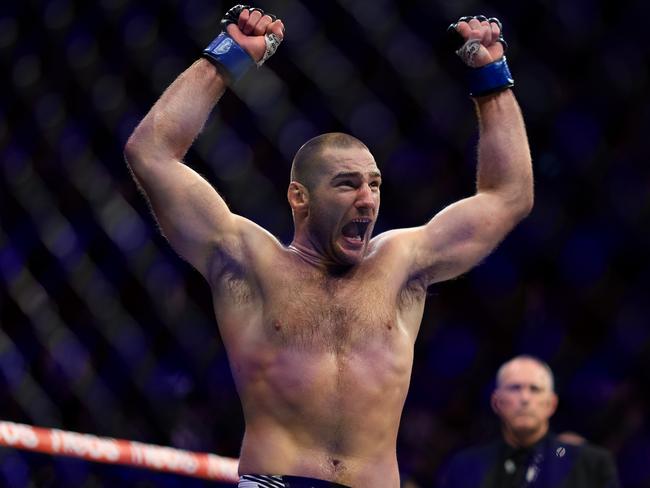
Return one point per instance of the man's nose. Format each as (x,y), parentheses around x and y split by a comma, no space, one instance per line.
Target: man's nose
(365,197)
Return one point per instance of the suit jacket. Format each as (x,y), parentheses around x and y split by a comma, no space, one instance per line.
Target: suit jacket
(560,465)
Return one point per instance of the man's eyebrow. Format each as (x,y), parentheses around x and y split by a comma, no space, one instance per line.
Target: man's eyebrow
(520,384)
(347,174)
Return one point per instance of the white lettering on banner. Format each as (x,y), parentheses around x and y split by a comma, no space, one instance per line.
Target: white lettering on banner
(136,453)
(214,466)
(13,434)
(84,445)
(106,449)
(163,458)
(219,467)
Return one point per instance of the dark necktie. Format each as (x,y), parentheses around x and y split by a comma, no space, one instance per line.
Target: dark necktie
(515,467)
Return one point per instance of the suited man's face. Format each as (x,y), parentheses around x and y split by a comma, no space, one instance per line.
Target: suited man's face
(524,400)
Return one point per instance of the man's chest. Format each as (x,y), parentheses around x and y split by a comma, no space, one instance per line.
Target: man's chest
(308,311)
(293,306)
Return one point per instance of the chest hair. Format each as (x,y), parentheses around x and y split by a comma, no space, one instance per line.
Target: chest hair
(324,313)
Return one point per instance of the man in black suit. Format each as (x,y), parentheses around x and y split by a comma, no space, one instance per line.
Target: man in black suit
(528,455)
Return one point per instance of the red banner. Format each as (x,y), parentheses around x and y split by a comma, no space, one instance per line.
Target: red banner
(117,451)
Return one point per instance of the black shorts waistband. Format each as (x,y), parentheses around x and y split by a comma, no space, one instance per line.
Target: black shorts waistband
(284,481)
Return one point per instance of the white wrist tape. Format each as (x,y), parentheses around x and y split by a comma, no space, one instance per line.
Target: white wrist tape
(272,43)
(468,52)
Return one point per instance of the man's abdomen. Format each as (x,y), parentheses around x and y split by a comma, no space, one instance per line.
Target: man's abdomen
(324,413)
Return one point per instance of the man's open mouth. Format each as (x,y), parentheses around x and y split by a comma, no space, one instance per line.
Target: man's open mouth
(355,230)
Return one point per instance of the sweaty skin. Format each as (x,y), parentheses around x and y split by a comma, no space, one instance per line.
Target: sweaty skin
(322,359)
(320,333)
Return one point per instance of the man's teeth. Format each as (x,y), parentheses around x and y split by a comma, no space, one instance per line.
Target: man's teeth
(356,229)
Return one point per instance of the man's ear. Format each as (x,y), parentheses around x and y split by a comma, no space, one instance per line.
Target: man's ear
(553,401)
(494,401)
(298,196)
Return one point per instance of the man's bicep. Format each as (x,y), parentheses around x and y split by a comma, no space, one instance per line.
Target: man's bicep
(191,214)
(460,236)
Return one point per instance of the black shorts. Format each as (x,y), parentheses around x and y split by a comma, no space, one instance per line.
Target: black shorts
(268,481)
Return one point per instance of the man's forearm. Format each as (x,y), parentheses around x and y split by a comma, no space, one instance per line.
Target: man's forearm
(172,124)
(504,162)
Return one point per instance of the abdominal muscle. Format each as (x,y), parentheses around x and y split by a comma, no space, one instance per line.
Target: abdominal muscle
(324,414)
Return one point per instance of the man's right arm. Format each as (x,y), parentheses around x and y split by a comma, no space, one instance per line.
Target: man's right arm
(189,211)
(191,214)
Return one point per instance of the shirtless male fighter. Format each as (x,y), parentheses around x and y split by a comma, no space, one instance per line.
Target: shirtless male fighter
(320,333)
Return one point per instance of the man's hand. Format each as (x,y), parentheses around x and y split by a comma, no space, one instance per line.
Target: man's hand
(253,31)
(483,42)
(248,37)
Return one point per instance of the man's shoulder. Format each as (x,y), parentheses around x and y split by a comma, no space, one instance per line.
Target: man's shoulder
(480,449)
(393,236)
(584,449)
(584,464)
(250,242)
(246,253)
(470,466)
(393,247)
(586,454)
(476,456)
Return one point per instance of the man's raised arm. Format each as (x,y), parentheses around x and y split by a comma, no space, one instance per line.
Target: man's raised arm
(193,217)
(464,233)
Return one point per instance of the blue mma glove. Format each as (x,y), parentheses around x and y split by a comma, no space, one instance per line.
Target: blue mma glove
(229,56)
(485,80)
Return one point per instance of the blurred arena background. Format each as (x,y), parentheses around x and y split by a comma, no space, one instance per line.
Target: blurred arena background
(105,331)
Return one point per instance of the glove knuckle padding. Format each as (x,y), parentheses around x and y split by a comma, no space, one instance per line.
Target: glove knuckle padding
(232,15)
(487,79)
(494,20)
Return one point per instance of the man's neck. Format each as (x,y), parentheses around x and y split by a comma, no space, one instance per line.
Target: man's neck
(311,256)
(519,440)
(308,254)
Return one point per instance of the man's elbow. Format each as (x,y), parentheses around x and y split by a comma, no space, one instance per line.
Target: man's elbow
(523,205)
(132,146)
(514,203)
(520,197)
(135,150)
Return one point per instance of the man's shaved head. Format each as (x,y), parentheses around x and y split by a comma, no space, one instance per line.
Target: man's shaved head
(306,165)
(525,357)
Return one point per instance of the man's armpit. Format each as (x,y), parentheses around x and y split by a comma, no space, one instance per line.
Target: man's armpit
(230,279)
(413,292)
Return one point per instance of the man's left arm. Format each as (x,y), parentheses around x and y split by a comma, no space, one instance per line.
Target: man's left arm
(464,233)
